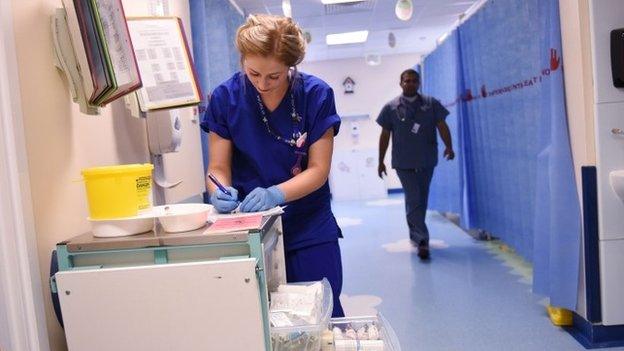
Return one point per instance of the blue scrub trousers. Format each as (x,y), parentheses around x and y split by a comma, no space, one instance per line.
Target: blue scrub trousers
(314,263)
(416,184)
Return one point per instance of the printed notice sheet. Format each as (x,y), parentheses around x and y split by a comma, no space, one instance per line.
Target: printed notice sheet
(165,63)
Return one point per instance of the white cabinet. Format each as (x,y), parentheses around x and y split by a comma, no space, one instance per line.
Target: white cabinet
(353,175)
(605,16)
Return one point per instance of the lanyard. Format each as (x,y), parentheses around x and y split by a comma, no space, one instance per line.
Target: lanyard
(295,118)
(297,140)
(424,106)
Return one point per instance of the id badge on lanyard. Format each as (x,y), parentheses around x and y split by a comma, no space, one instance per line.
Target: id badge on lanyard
(300,152)
(403,117)
(415,128)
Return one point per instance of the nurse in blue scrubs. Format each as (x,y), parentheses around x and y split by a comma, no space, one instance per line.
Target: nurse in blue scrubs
(271,135)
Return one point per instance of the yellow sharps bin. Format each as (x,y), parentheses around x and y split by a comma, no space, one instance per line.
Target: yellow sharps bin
(118,191)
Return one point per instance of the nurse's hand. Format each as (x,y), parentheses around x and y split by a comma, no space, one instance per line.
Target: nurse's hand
(223,202)
(261,199)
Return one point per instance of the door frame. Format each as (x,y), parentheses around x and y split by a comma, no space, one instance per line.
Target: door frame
(21,296)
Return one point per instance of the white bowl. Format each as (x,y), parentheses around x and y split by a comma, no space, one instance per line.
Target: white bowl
(182,217)
(110,228)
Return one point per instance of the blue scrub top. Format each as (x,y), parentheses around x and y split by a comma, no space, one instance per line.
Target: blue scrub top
(260,160)
(413,127)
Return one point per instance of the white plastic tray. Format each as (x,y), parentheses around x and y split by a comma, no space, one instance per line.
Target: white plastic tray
(305,337)
(389,340)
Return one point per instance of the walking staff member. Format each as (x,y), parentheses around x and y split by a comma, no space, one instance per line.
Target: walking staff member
(412,119)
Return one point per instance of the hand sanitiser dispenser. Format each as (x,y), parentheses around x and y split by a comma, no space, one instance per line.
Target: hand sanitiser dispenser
(164,131)
(617,57)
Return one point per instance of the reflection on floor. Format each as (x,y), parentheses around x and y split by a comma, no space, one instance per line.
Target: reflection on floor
(470,296)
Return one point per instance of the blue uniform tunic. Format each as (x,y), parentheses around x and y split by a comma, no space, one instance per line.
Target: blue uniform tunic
(413,127)
(260,160)
(414,154)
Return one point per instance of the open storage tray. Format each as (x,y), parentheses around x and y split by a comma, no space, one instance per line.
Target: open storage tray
(352,334)
(305,337)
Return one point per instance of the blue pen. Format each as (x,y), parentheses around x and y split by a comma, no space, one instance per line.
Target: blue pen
(218,184)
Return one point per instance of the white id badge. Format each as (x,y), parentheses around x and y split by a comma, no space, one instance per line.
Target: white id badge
(415,128)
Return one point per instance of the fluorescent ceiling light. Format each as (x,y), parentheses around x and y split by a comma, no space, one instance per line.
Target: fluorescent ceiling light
(442,38)
(286,8)
(347,38)
(331,2)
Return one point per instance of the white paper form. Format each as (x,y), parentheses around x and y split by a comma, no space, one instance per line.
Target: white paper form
(273,211)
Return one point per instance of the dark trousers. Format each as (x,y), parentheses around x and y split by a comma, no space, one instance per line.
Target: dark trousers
(315,263)
(416,184)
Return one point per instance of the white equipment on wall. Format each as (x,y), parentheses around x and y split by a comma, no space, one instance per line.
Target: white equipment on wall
(607,15)
(164,131)
(355,131)
(164,135)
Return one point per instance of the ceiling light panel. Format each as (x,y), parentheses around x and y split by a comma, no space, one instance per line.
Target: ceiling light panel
(332,2)
(349,7)
(347,38)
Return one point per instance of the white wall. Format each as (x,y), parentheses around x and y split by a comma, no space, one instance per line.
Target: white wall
(60,141)
(22,312)
(374,86)
(578,82)
(4,323)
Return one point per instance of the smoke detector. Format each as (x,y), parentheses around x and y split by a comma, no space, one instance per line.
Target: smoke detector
(404,9)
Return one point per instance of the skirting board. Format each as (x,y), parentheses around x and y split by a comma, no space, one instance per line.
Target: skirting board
(595,336)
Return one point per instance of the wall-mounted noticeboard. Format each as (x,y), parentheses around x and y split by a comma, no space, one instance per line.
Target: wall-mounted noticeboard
(165,63)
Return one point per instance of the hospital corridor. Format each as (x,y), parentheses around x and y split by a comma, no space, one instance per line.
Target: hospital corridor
(311,175)
(473,295)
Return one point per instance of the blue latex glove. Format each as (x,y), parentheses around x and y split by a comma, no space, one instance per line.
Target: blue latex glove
(261,199)
(223,202)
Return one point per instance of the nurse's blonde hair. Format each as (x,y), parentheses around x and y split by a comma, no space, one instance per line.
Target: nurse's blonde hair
(271,36)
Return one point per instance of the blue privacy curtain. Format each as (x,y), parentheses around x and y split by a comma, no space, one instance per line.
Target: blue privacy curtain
(214,24)
(557,229)
(442,80)
(516,171)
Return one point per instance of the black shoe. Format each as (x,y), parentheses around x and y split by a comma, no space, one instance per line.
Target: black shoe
(423,251)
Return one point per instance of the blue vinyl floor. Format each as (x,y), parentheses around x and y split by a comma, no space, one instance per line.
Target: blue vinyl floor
(470,296)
